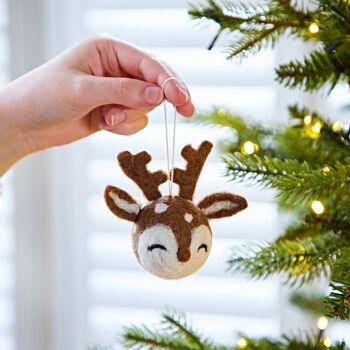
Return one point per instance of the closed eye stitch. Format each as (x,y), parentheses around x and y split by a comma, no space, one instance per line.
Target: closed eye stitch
(156,246)
(203,246)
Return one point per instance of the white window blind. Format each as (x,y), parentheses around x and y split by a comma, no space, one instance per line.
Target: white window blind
(7,265)
(119,291)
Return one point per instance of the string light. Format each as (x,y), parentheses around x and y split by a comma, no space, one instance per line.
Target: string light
(326,170)
(221,112)
(315,130)
(242,343)
(307,120)
(322,322)
(327,342)
(314,28)
(318,208)
(249,147)
(337,126)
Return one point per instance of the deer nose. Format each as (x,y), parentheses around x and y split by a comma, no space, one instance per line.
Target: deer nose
(183,254)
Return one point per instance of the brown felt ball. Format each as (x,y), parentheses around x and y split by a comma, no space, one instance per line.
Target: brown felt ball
(171,236)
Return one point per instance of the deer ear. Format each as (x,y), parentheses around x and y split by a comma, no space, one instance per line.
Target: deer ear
(222,204)
(121,203)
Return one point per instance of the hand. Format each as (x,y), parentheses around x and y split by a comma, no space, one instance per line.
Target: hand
(101,83)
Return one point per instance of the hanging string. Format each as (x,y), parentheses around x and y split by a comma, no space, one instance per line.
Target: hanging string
(170,168)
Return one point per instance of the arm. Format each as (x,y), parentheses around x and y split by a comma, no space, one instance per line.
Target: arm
(100,83)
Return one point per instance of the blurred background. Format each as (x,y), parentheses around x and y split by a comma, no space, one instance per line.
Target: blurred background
(68,276)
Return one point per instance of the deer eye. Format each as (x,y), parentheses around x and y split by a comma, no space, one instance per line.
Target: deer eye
(203,246)
(156,246)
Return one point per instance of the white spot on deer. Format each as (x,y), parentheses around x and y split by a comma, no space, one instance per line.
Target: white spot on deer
(131,208)
(188,217)
(160,208)
(217,206)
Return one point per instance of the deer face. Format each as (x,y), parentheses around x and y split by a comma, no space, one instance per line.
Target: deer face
(171,235)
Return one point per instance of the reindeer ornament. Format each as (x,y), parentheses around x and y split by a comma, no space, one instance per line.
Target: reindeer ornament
(171,235)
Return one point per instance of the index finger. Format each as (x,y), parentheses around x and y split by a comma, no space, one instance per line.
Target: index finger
(142,66)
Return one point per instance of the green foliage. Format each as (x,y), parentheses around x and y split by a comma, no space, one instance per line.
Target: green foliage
(244,131)
(338,302)
(303,161)
(301,260)
(319,69)
(180,336)
(296,182)
(310,303)
(257,27)
(174,333)
(301,165)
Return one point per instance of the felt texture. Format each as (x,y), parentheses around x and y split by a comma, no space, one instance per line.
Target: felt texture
(222,204)
(187,179)
(171,236)
(174,217)
(116,209)
(163,262)
(135,167)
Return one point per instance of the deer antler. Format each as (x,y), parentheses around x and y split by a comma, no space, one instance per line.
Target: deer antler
(187,179)
(135,167)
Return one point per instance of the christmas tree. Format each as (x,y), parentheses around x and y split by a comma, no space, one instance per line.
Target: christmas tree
(306,161)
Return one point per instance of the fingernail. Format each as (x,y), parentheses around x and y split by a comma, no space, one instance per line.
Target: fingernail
(183,90)
(153,95)
(117,117)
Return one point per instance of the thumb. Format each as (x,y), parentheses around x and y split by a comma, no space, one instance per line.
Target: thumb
(127,92)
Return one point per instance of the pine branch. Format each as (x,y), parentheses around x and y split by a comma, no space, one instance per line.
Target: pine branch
(263,171)
(295,181)
(253,42)
(142,337)
(259,26)
(310,303)
(177,325)
(308,342)
(220,117)
(175,333)
(314,72)
(282,142)
(338,302)
(310,225)
(300,261)
(242,131)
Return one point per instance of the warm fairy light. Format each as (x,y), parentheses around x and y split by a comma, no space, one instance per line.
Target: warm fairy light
(326,169)
(337,126)
(249,147)
(318,208)
(221,112)
(307,120)
(326,341)
(314,28)
(316,128)
(241,343)
(322,322)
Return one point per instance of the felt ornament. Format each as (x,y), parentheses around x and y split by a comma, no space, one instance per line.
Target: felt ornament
(171,236)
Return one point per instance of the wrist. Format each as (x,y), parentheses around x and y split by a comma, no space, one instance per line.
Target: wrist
(12,142)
